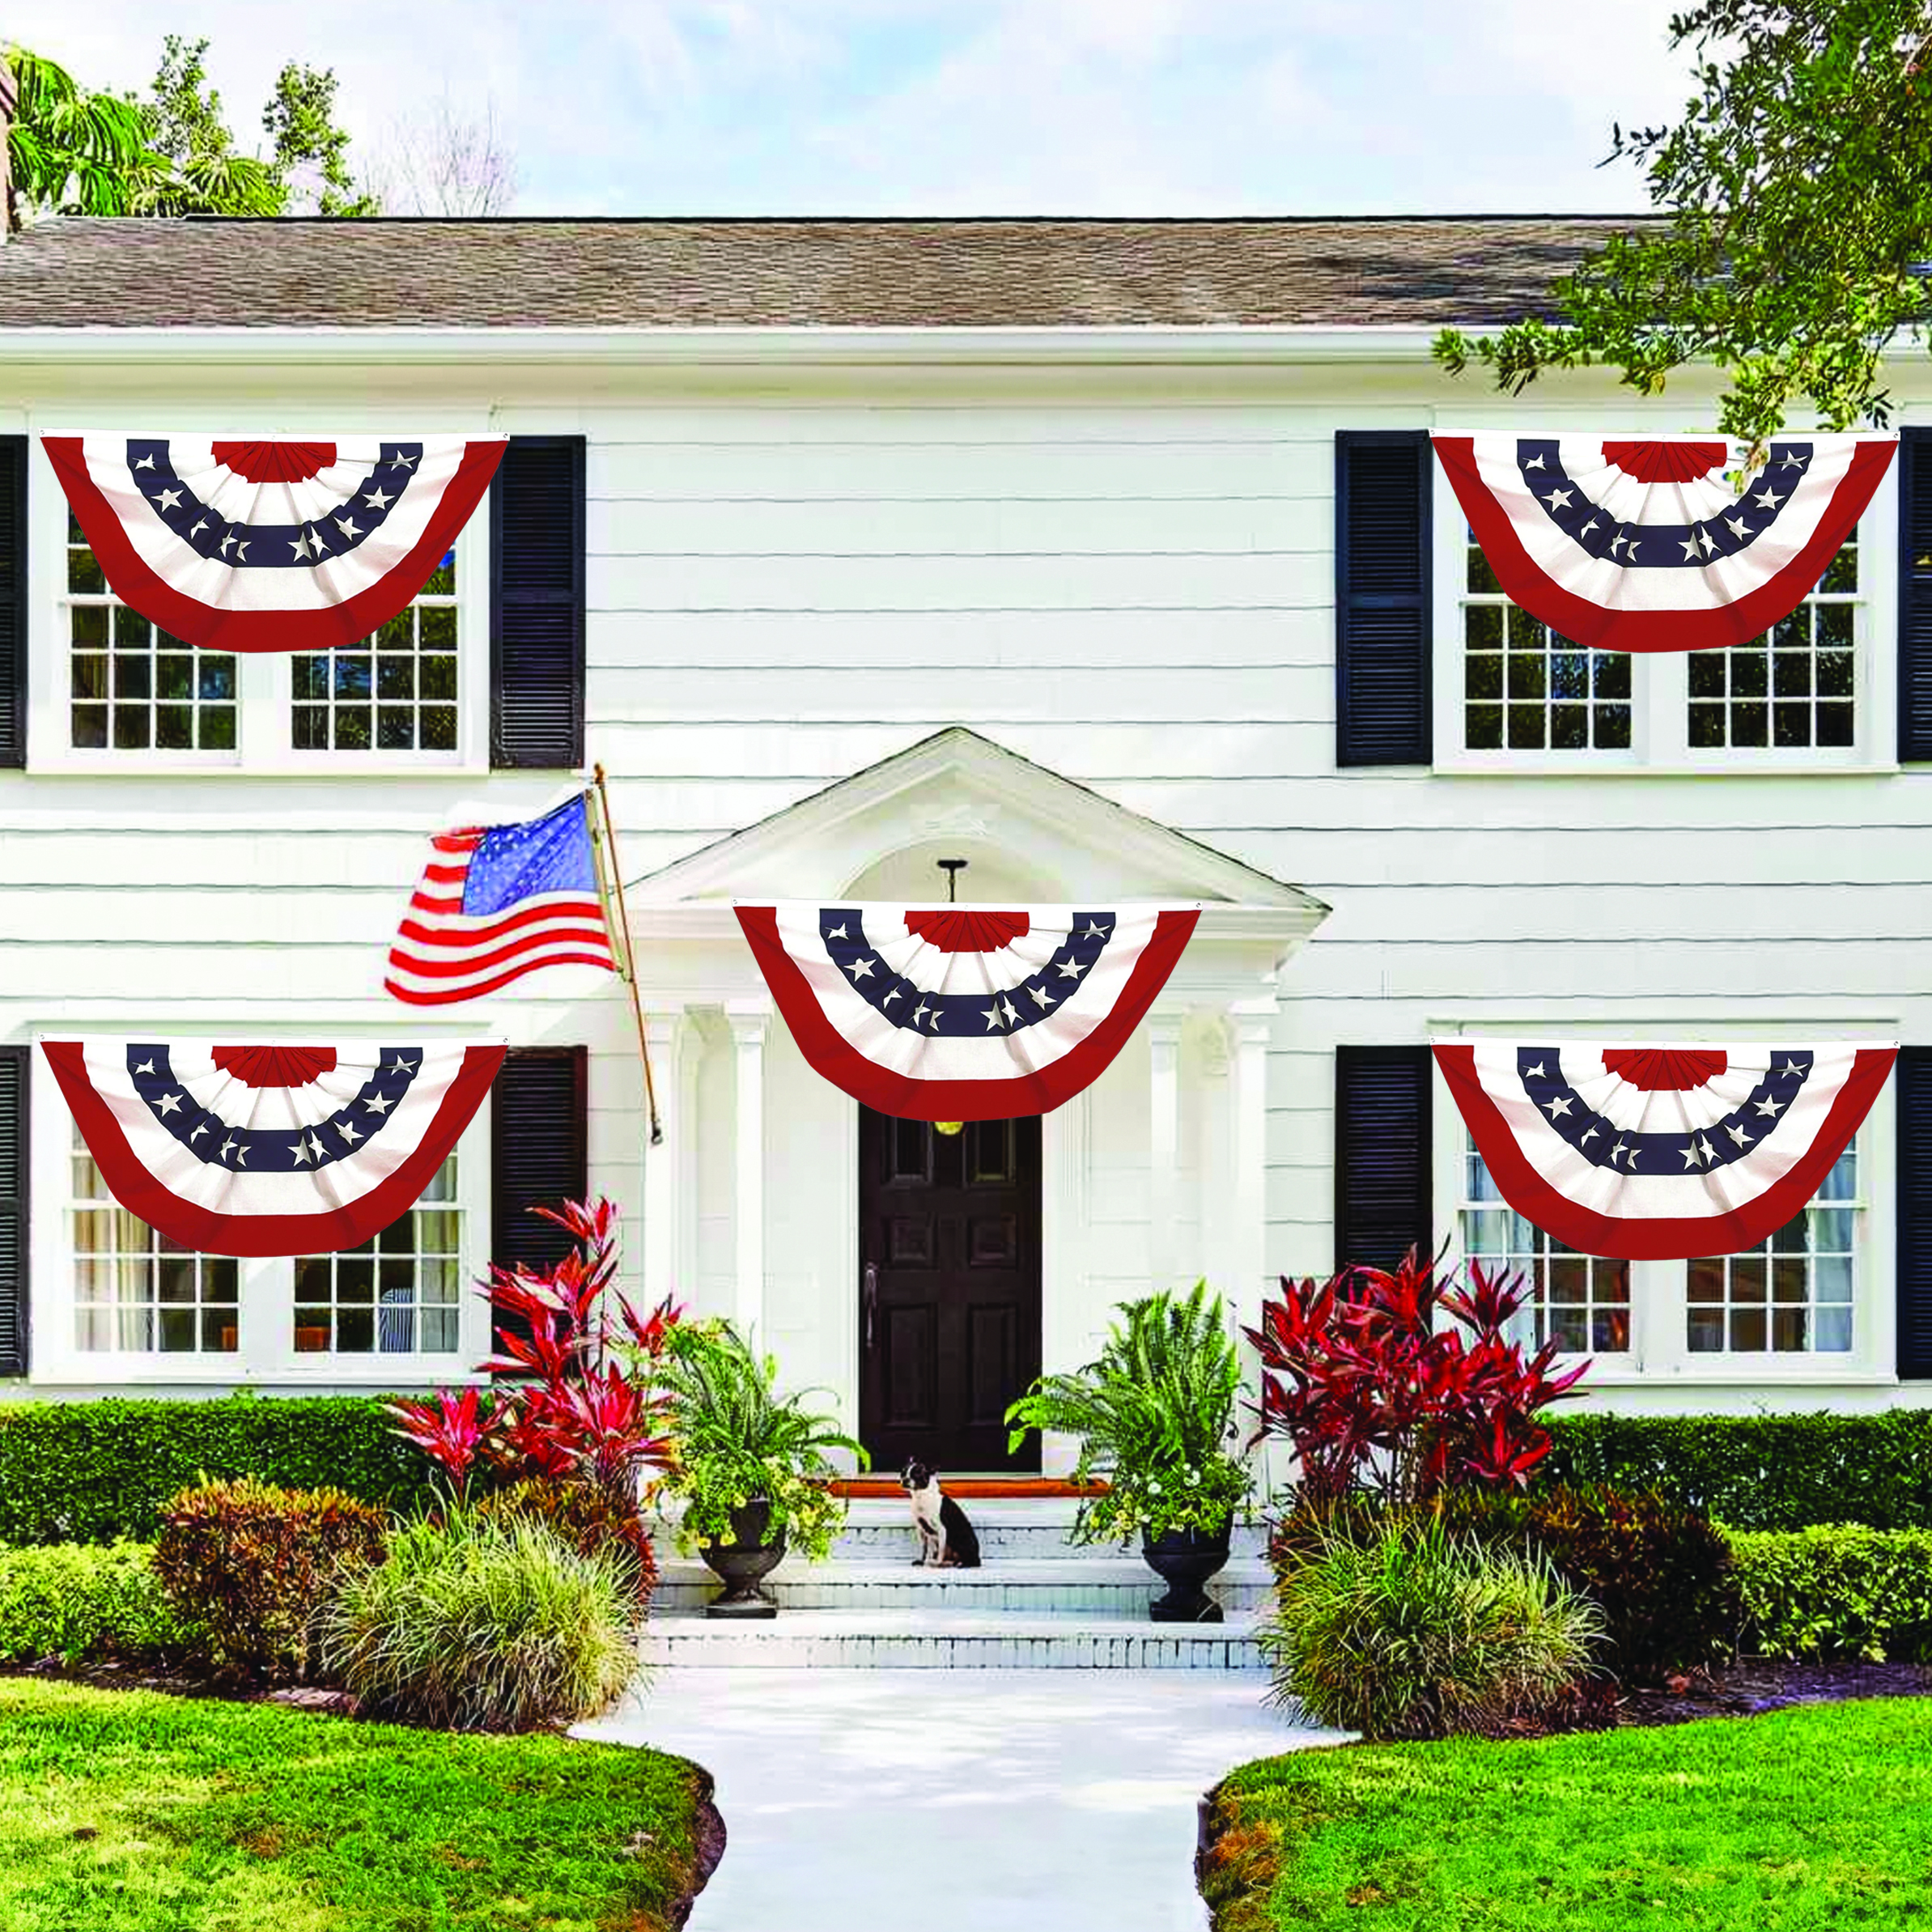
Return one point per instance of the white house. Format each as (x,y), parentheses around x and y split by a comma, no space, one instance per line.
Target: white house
(848,546)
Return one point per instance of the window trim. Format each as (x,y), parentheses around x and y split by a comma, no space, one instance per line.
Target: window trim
(266,1353)
(1660,1356)
(1660,692)
(264,681)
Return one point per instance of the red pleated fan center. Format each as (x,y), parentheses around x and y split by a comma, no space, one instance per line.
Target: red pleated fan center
(1661,462)
(1665,1069)
(968,928)
(274,1066)
(275,462)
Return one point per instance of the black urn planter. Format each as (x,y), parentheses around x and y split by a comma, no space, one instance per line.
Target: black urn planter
(1184,1560)
(740,1563)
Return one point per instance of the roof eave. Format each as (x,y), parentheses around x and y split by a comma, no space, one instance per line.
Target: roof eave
(818,344)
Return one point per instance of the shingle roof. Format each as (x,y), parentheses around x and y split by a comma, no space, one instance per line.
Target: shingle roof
(903,274)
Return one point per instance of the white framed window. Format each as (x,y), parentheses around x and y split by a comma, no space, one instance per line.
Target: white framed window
(116,1301)
(1813,693)
(1807,1305)
(113,693)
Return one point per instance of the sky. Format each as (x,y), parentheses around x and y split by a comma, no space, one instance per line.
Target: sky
(962,107)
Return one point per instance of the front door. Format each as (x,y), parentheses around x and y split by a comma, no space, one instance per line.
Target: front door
(950,1289)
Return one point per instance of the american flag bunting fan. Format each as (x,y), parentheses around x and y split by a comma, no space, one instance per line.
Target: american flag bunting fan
(1641,544)
(1661,1152)
(265,1149)
(964,1012)
(249,543)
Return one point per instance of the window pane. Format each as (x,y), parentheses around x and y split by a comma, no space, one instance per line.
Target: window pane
(1579,1302)
(1806,664)
(1794,1295)
(396,1295)
(133,1291)
(393,692)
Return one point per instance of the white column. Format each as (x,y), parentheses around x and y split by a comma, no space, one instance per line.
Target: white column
(750,1020)
(1252,1023)
(663,1165)
(1163,1119)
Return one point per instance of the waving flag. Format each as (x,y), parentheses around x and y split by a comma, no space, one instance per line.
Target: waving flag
(497,901)
(962,1013)
(1661,1153)
(268,1149)
(1640,544)
(241,543)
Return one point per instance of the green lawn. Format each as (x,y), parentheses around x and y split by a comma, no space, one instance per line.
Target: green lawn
(1806,1818)
(122,1811)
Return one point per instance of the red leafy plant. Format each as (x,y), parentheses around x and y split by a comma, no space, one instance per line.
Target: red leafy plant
(1379,1395)
(577,1418)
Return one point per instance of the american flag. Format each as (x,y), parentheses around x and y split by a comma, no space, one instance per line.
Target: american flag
(500,901)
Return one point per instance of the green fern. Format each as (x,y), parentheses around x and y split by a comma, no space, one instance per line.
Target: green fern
(736,1439)
(1154,1415)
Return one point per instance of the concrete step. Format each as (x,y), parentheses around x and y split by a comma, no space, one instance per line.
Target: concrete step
(876,1529)
(948,1640)
(1088,1585)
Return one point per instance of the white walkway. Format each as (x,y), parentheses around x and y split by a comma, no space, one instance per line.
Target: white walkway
(941,1801)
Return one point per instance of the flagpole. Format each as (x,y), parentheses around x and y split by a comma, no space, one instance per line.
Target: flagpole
(637,1009)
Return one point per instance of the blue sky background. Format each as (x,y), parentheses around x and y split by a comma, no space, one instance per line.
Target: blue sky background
(960,106)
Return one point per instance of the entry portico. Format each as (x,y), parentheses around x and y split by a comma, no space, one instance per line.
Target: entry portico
(1155,1174)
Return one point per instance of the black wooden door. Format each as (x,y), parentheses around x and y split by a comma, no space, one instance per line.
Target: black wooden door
(949,1290)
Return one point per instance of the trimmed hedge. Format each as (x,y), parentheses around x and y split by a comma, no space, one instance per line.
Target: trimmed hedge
(1836,1590)
(1758,1472)
(78,1600)
(95,1471)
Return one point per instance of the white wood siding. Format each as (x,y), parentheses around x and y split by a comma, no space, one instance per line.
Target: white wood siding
(1125,576)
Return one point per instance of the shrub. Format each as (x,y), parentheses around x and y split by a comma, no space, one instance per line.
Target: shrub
(586,1520)
(1419,1633)
(1154,1414)
(481,1623)
(1660,1574)
(77,1600)
(1836,1590)
(1758,1472)
(250,1563)
(1375,1391)
(96,1471)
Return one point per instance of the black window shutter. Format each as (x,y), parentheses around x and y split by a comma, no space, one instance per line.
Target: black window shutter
(539,1132)
(13,601)
(1383,1206)
(1383,705)
(537,573)
(1915,595)
(1914,1236)
(12,1210)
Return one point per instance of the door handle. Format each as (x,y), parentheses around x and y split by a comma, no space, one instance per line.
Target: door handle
(872,1300)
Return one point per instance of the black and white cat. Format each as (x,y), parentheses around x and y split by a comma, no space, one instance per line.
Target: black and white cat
(944,1535)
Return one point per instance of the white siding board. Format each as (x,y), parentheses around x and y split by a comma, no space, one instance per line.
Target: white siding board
(1278,579)
(1019,639)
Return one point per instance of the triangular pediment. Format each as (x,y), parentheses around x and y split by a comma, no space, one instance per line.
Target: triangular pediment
(1024,831)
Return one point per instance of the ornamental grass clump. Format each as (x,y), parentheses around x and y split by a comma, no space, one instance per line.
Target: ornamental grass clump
(1154,1415)
(1418,1633)
(478,1623)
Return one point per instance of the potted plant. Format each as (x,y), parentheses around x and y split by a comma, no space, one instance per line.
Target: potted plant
(751,1465)
(1154,1414)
